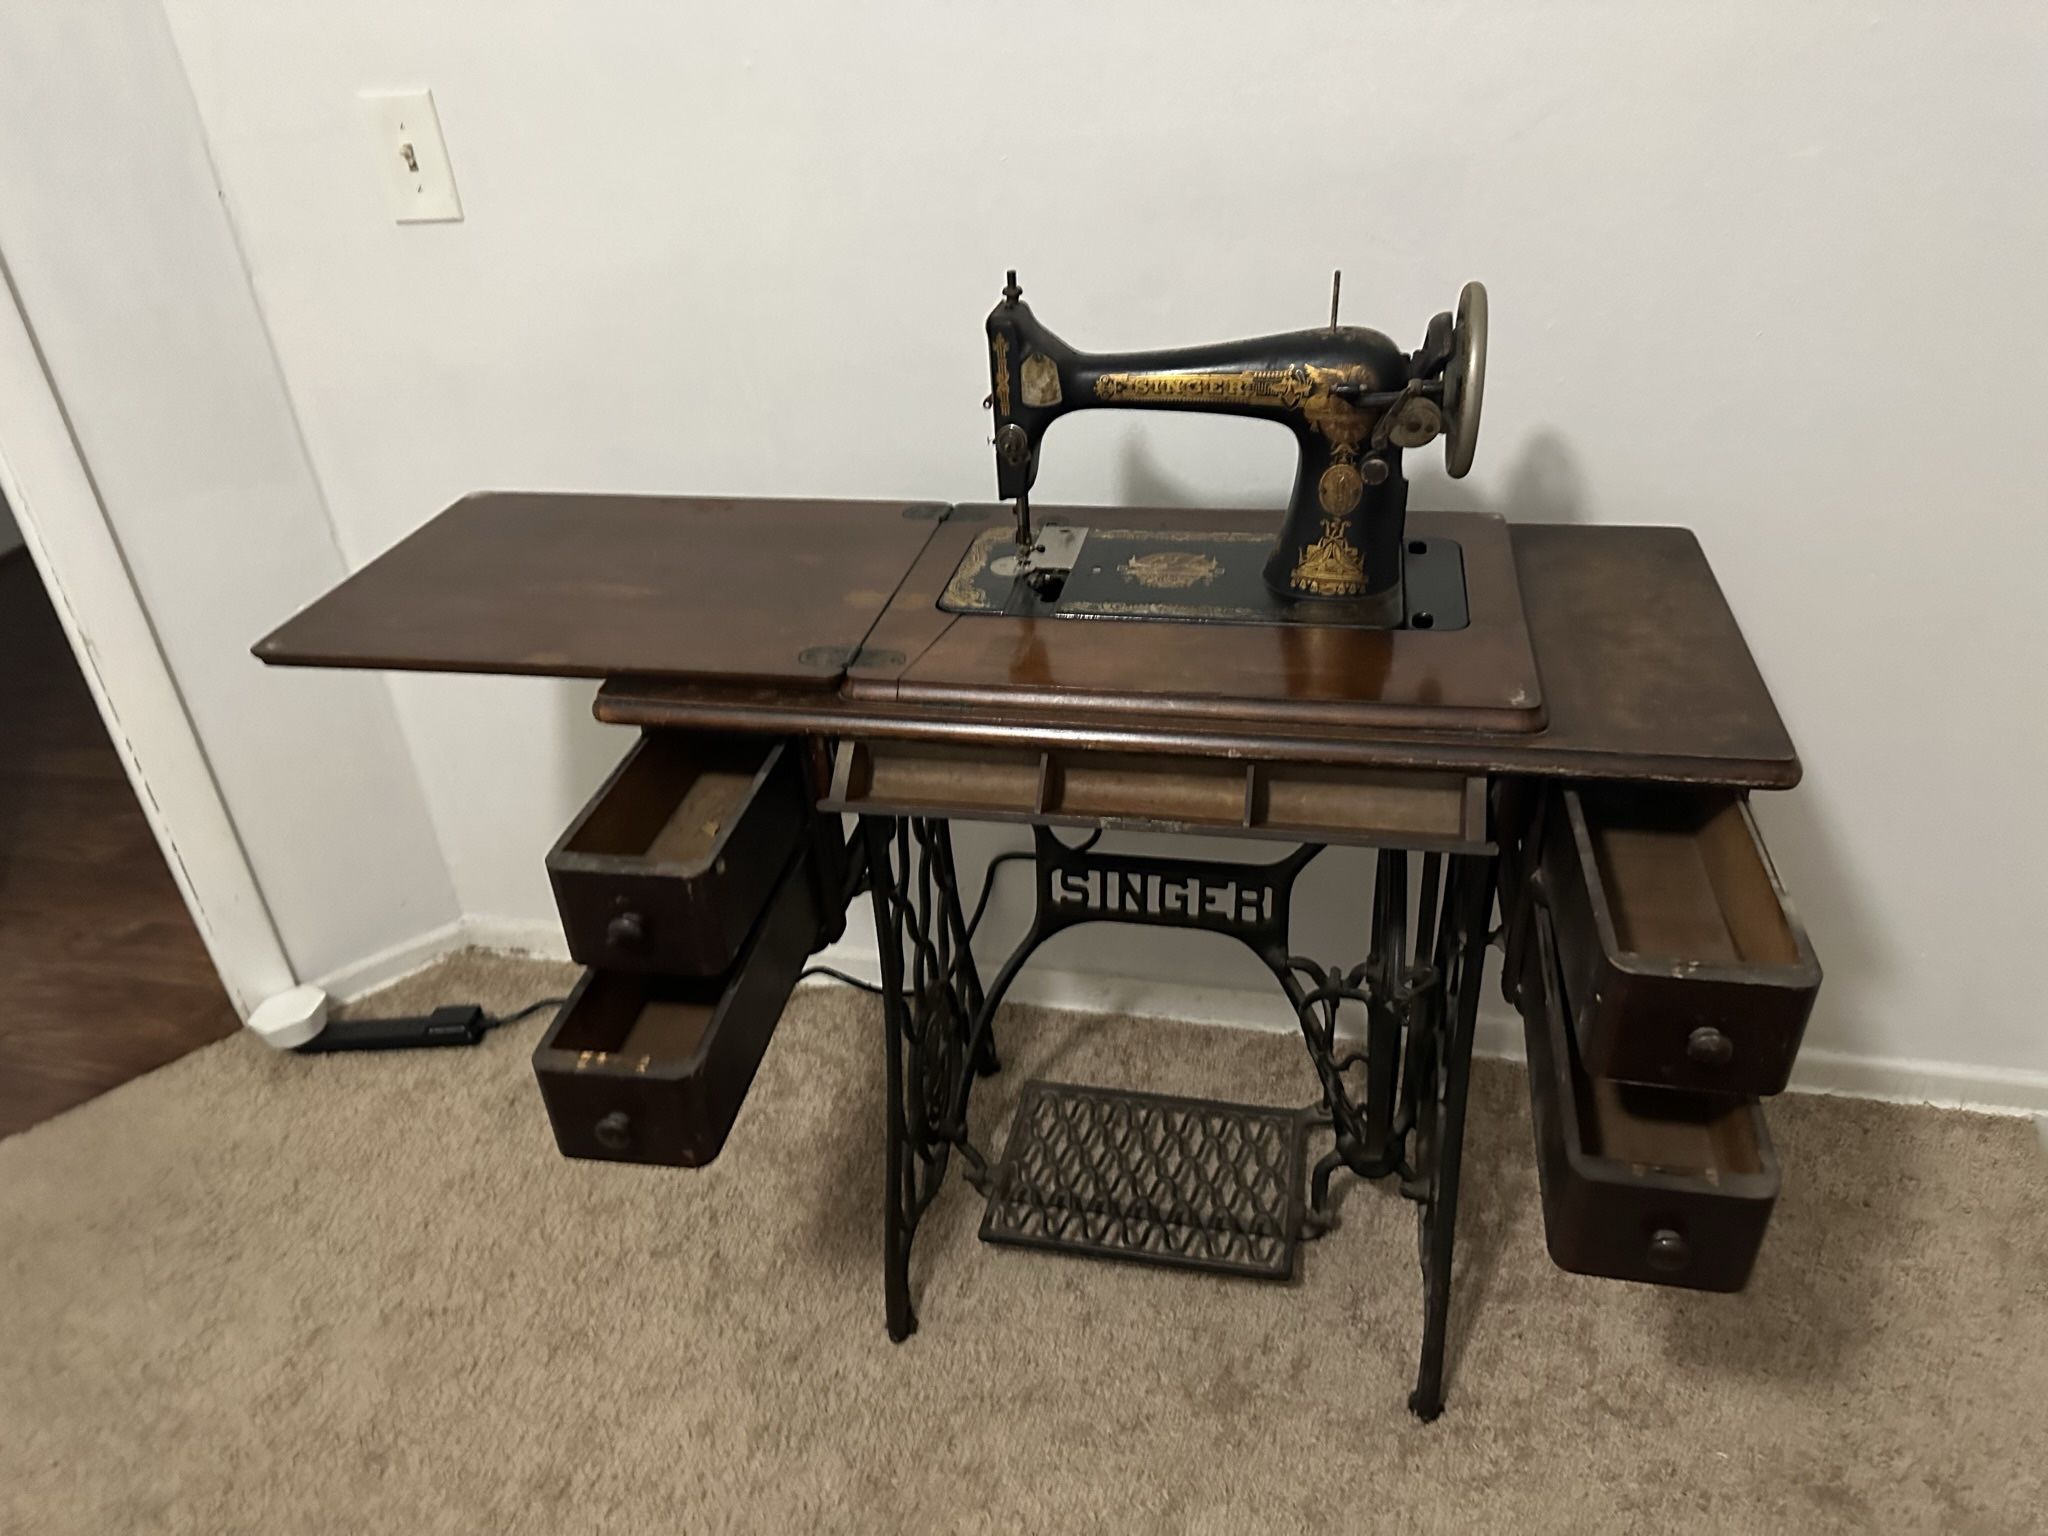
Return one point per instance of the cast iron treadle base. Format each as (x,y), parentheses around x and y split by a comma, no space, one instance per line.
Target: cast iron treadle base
(1191,1183)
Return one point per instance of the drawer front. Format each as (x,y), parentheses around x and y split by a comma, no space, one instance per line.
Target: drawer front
(1162,792)
(654,1069)
(1639,1183)
(1685,963)
(668,867)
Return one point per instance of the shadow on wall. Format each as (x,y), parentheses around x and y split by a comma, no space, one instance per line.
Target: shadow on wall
(1856,968)
(1543,484)
(585,753)
(1143,481)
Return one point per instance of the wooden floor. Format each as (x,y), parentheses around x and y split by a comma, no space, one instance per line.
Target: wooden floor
(102,975)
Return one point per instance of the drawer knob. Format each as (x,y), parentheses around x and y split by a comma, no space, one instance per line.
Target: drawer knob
(615,1131)
(1669,1251)
(1709,1047)
(626,934)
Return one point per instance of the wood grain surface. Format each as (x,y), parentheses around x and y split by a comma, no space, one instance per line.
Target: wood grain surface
(1482,677)
(734,614)
(568,585)
(102,974)
(1645,675)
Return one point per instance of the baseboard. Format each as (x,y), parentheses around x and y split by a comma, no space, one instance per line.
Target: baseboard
(393,964)
(1904,1080)
(538,938)
(1946,1085)
(1499,1031)
(1949,1085)
(504,935)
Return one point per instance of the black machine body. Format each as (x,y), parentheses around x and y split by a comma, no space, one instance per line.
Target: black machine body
(1351,397)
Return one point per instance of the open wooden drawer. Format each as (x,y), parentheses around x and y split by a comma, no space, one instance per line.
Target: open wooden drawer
(653,1069)
(667,868)
(1294,802)
(1684,961)
(1639,1183)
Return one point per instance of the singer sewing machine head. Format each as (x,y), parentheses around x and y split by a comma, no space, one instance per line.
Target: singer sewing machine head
(1353,399)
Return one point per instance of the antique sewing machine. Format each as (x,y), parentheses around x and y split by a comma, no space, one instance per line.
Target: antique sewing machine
(1559,722)
(1354,402)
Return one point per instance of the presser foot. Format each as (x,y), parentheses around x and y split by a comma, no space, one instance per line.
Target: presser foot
(1042,561)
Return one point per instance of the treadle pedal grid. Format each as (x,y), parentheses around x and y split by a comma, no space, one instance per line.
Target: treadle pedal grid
(1150,1178)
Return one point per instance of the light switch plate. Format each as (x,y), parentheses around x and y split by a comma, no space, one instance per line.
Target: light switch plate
(413,157)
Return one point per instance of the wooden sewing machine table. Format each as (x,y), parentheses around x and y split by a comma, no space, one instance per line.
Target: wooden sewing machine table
(1581,748)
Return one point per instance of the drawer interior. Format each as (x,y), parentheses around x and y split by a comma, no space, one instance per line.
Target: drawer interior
(644,1018)
(1679,1133)
(1685,878)
(674,802)
(1695,1136)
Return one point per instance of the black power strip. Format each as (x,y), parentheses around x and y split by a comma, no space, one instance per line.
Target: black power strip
(463,1024)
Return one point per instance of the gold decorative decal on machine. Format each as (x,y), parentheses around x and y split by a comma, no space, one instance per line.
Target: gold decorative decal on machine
(1280,388)
(1170,570)
(1343,423)
(1001,347)
(1340,489)
(1041,380)
(964,590)
(1300,386)
(1332,566)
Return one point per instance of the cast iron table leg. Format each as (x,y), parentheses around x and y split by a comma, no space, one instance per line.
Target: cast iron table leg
(1473,905)
(986,1062)
(899,1174)
(931,1000)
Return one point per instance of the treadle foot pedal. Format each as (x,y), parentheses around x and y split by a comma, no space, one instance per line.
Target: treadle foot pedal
(1151,1178)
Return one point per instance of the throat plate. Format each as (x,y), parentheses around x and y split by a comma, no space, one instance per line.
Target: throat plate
(1056,548)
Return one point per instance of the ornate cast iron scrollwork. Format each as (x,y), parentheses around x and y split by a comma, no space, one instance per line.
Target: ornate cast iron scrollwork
(1418,989)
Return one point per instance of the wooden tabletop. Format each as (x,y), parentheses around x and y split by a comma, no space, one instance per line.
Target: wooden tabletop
(1645,677)
(814,616)
(1479,677)
(572,585)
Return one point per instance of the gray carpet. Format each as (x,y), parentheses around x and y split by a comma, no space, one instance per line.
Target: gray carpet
(257,1293)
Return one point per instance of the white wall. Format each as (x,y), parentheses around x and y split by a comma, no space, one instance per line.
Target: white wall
(112,231)
(1771,271)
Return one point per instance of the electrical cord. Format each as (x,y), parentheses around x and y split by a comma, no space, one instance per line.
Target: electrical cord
(840,976)
(467,1023)
(988,885)
(988,879)
(501,1020)
(451,1024)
